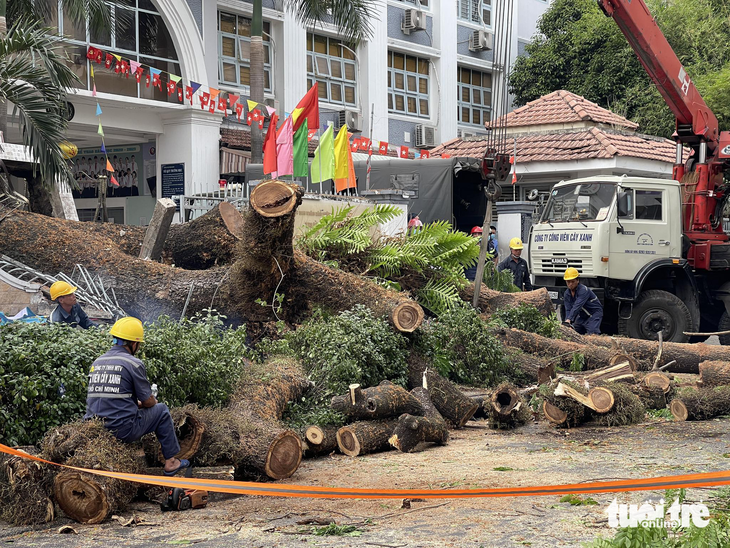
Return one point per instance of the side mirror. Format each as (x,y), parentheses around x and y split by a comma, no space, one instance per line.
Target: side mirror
(624,204)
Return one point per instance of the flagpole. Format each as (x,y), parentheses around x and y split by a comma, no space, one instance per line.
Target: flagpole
(514,167)
(319,140)
(370,146)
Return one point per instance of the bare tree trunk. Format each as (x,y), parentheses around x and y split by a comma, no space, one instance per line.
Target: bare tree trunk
(257,77)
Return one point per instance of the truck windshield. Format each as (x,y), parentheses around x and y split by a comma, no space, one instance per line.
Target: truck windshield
(582,202)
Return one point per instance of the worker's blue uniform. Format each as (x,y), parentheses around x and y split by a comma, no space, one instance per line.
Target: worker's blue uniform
(116,381)
(520,272)
(76,318)
(584,311)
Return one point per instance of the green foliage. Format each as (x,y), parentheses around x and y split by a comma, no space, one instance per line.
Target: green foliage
(575,500)
(527,318)
(43,377)
(44,369)
(502,469)
(461,348)
(578,49)
(578,363)
(351,347)
(498,281)
(194,361)
(660,413)
(337,530)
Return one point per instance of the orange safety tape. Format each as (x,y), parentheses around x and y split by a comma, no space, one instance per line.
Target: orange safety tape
(707,479)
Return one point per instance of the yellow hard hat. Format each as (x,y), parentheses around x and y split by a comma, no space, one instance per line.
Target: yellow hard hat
(570,274)
(515,243)
(60,289)
(128,329)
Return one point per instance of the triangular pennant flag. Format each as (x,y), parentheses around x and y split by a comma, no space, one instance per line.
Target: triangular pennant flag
(114,181)
(134,65)
(425,154)
(239,111)
(119,57)
(103,148)
(214,93)
(383,148)
(93,91)
(272,110)
(98,109)
(100,131)
(251,105)
(109,166)
(233,99)
(403,151)
(175,78)
(155,71)
(195,86)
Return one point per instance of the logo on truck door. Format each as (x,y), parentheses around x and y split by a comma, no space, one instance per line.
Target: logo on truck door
(644,239)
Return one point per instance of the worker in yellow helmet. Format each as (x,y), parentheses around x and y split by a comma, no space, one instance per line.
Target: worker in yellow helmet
(583,310)
(120,394)
(68,310)
(518,266)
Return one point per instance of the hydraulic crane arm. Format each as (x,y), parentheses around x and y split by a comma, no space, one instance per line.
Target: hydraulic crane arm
(696,123)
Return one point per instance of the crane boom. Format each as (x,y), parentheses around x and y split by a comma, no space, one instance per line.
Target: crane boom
(695,121)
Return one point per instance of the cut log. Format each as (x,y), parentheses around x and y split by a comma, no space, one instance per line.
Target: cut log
(626,407)
(321,440)
(88,498)
(617,372)
(621,358)
(360,438)
(553,413)
(412,430)
(657,379)
(267,450)
(189,430)
(451,402)
(599,400)
(378,402)
(24,489)
(490,301)
(700,404)
(651,397)
(156,234)
(563,411)
(506,408)
(714,373)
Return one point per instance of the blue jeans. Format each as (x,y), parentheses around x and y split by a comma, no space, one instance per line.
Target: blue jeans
(155,419)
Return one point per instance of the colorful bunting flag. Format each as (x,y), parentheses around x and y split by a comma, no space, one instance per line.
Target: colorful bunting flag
(175,78)
(93,91)
(221,103)
(180,95)
(134,65)
(214,93)
(195,86)
(255,116)
(211,105)
(271,110)
(189,94)
(204,98)
(118,66)
(424,154)
(249,118)
(353,146)
(239,111)
(323,164)
(232,100)
(301,151)
(125,68)
(138,74)
(270,148)
(446,155)
(308,108)
(251,105)
(92,53)
(365,144)
(170,88)
(514,177)
(100,131)
(383,148)
(403,151)
(98,109)
(108,62)
(103,148)
(285,149)
(147,80)
(109,166)
(261,122)
(114,181)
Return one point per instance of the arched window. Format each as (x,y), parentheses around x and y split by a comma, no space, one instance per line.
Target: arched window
(139,35)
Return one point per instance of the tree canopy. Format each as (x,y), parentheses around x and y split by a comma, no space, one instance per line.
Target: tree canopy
(579,49)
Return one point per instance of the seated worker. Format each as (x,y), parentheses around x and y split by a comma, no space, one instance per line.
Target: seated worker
(518,266)
(68,310)
(120,394)
(583,310)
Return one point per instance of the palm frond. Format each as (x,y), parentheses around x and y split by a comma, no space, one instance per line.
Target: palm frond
(353,18)
(438,296)
(97,12)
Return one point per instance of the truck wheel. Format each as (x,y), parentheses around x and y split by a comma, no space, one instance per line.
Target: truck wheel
(724,325)
(656,311)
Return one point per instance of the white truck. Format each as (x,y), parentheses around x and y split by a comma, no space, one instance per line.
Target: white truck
(624,235)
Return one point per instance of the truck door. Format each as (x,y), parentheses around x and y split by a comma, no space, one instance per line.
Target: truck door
(647,231)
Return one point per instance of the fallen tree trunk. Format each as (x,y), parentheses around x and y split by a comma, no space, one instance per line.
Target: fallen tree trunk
(490,301)
(451,402)
(714,373)
(657,379)
(189,429)
(651,397)
(505,408)
(360,438)
(700,404)
(412,430)
(562,411)
(626,407)
(24,489)
(600,400)
(378,402)
(321,440)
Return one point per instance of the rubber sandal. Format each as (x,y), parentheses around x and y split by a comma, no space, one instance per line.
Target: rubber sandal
(184,463)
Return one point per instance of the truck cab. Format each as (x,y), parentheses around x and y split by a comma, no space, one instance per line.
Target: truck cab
(624,236)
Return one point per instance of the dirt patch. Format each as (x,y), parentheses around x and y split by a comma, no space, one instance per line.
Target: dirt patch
(475,457)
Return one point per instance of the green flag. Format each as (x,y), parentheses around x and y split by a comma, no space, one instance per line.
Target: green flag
(323,165)
(301,149)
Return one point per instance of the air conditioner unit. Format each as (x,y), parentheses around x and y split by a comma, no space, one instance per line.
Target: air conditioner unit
(468,135)
(481,40)
(349,118)
(413,20)
(425,136)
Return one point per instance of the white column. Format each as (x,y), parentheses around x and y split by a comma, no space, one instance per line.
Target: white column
(373,84)
(191,137)
(294,59)
(210,41)
(445,35)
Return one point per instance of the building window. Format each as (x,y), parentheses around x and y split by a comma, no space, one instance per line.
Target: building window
(139,35)
(418,3)
(476,11)
(333,65)
(408,85)
(234,51)
(475,97)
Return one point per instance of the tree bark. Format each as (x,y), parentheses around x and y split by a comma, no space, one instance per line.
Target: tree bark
(451,402)
(562,411)
(378,402)
(700,404)
(360,438)
(24,489)
(599,400)
(490,301)
(189,429)
(505,408)
(412,430)
(714,373)
(321,440)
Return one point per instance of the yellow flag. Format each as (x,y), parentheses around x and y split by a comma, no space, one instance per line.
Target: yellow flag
(251,104)
(342,145)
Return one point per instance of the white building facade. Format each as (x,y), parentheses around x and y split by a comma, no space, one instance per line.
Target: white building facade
(426,74)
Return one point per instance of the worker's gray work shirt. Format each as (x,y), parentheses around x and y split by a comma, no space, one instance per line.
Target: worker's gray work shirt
(76,318)
(116,381)
(520,272)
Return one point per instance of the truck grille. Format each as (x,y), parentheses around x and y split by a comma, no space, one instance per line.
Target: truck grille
(543,264)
